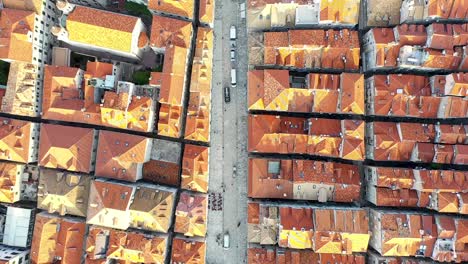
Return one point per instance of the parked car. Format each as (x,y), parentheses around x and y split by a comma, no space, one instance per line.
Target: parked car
(227,94)
(233,78)
(233,33)
(233,55)
(226,241)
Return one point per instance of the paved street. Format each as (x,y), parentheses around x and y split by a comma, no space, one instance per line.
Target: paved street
(228,141)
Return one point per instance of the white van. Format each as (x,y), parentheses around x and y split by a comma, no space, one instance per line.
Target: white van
(226,241)
(233,78)
(233,33)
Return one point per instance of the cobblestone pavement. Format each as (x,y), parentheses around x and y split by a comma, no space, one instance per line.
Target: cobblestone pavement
(228,142)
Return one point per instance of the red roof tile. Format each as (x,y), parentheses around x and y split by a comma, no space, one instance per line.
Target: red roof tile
(188,251)
(121,156)
(184,8)
(65,147)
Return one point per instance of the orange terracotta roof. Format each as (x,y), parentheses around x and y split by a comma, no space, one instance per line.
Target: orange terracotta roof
(300,180)
(184,8)
(170,120)
(415,234)
(156,79)
(62,100)
(402,234)
(437,59)
(17,34)
(265,182)
(343,179)
(188,251)
(306,256)
(109,204)
(161,172)
(455,107)
(323,136)
(100,18)
(464,62)
(337,49)
(460,34)
(261,256)
(126,246)
(173,76)
(262,224)
(20,97)
(206,11)
(191,214)
(410,44)
(337,12)
(400,198)
(452,134)
(455,84)
(30,5)
(121,156)
(416,142)
(387,144)
(411,34)
(341,231)
(57,80)
(296,227)
(404,95)
(270,90)
(440,36)
(17,141)
(152,208)
(197,125)
(276,39)
(166,31)
(461,154)
(63,192)
(323,81)
(416,132)
(253,213)
(57,238)
(442,9)
(128,112)
(10,182)
(65,147)
(383,35)
(352,97)
(437,153)
(102,29)
(143,40)
(2,95)
(195,168)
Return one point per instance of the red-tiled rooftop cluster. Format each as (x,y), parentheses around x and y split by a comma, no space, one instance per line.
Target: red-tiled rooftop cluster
(417,11)
(303,180)
(393,12)
(417,142)
(441,238)
(128,246)
(314,136)
(263,15)
(197,125)
(274,90)
(324,230)
(440,96)
(73,95)
(326,49)
(437,46)
(277,255)
(440,190)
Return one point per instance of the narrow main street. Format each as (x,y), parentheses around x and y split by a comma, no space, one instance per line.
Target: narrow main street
(228,141)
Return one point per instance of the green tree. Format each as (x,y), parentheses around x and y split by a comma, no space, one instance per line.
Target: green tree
(141,77)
